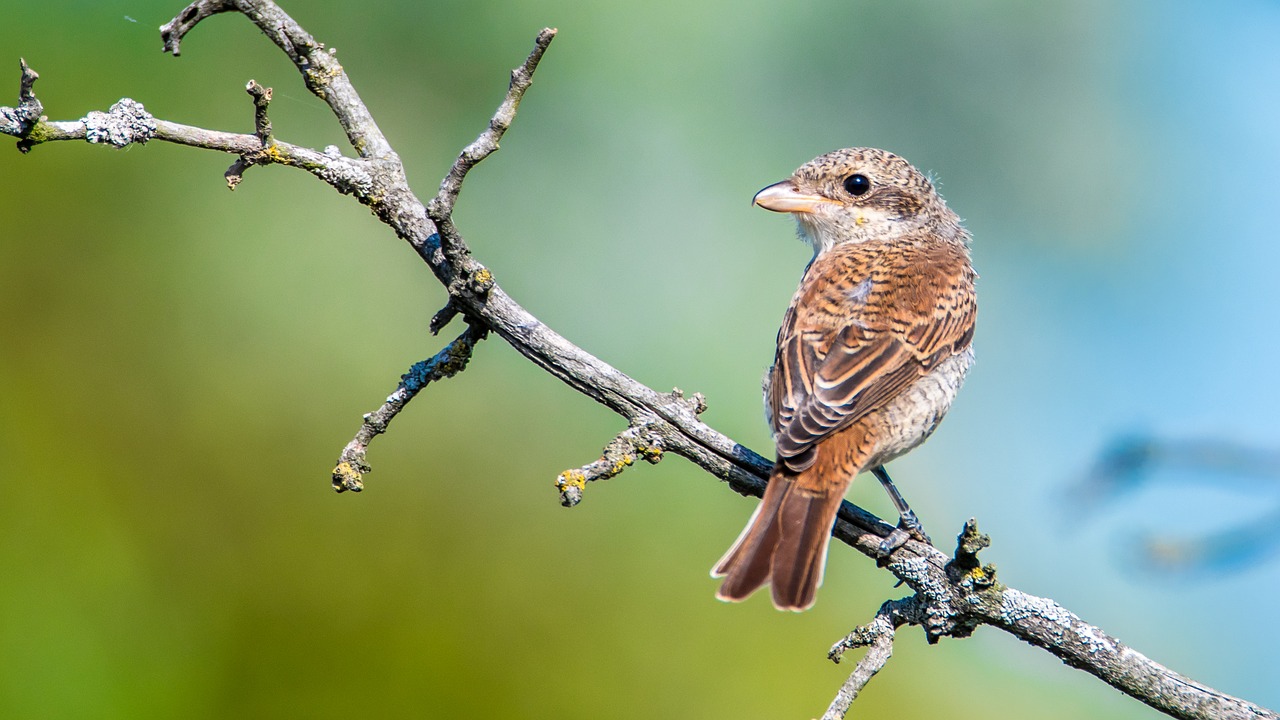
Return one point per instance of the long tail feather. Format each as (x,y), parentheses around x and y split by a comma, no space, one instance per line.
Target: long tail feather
(784,544)
(801,554)
(746,566)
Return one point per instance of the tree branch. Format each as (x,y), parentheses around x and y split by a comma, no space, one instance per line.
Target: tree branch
(877,637)
(440,209)
(951,596)
(321,72)
(450,361)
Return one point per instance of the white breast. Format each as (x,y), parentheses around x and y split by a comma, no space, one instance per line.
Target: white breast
(910,418)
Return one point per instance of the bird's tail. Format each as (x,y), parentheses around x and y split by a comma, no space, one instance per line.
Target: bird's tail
(784,544)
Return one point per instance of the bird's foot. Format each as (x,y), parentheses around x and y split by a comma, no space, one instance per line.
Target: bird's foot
(893,541)
(909,528)
(911,524)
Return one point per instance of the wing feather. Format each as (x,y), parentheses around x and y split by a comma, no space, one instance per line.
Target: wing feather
(865,324)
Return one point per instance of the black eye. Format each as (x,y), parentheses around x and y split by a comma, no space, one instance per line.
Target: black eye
(857,184)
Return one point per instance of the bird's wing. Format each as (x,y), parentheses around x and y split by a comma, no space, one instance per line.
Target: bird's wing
(862,329)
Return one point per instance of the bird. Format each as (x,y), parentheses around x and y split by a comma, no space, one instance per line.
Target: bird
(872,350)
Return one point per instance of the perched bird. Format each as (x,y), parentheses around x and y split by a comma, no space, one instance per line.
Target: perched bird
(871,353)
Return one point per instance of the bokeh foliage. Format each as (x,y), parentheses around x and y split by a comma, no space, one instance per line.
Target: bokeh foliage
(179,365)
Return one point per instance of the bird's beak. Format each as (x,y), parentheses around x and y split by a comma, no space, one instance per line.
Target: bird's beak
(784,198)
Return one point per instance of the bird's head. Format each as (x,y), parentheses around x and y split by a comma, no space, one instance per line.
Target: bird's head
(855,195)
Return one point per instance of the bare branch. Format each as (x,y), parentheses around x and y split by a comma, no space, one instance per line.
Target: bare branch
(877,637)
(261,123)
(450,361)
(440,209)
(173,31)
(26,94)
(319,66)
(235,143)
(485,145)
(443,317)
(635,443)
(18,121)
(952,597)
(261,130)
(128,122)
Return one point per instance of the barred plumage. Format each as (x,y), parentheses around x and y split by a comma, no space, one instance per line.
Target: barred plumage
(870,355)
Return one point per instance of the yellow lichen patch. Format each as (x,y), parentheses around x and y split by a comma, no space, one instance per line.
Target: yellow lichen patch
(983,577)
(347,477)
(483,277)
(571,478)
(346,470)
(621,464)
(322,78)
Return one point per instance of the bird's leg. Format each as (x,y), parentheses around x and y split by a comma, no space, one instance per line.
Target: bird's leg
(908,524)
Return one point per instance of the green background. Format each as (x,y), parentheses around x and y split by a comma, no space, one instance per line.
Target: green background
(180,365)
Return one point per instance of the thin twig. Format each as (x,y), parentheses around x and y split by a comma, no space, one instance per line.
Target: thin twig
(321,72)
(261,130)
(440,209)
(877,637)
(488,141)
(127,122)
(352,463)
(261,121)
(634,443)
(19,121)
(173,31)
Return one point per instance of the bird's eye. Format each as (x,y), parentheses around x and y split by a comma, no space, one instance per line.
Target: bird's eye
(857,184)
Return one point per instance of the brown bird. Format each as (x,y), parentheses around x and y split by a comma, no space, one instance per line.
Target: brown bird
(871,353)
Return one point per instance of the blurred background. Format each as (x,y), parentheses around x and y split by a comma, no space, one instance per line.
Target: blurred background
(180,365)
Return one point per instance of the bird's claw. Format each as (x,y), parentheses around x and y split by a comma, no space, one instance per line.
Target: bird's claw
(909,528)
(911,524)
(893,541)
